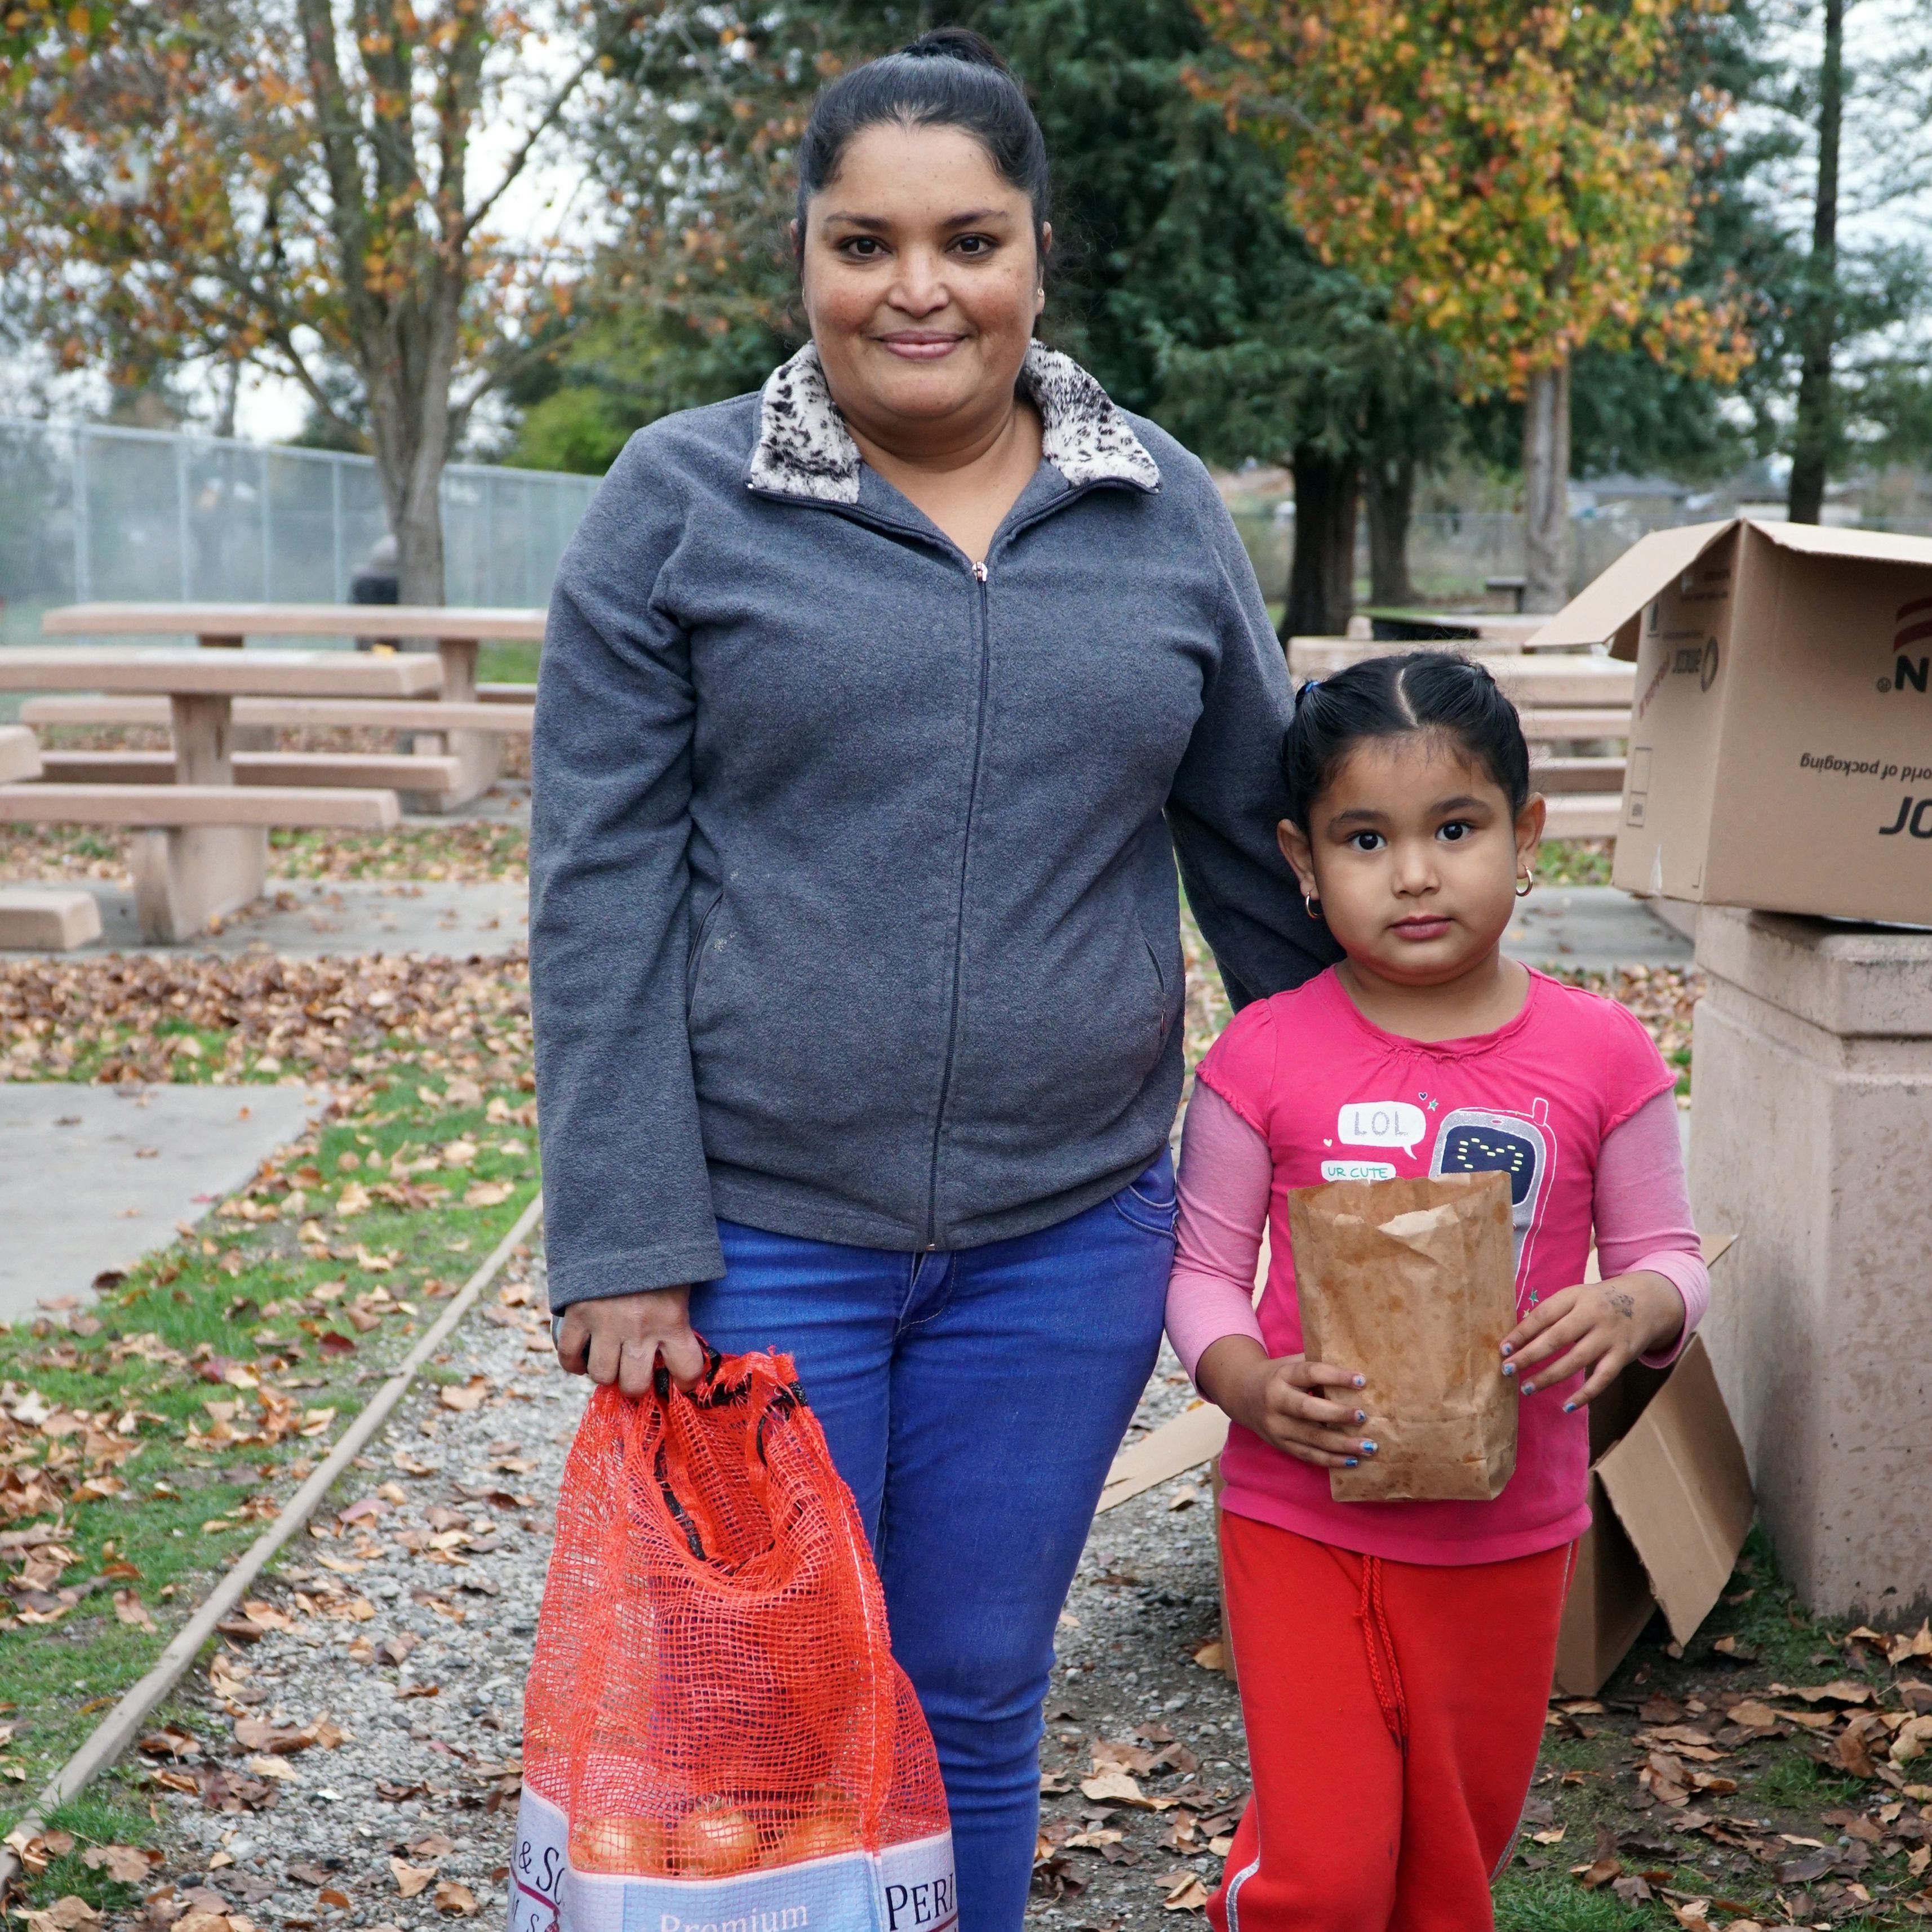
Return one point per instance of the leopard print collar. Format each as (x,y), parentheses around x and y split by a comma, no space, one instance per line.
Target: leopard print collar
(804,448)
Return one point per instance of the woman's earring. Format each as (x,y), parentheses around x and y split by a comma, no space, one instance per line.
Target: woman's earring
(1311,905)
(1527,885)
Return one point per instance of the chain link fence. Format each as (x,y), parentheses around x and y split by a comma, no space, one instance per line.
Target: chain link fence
(87,512)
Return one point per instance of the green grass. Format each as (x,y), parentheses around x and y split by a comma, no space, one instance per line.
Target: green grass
(243,1301)
(1554,1902)
(498,663)
(1575,862)
(1781,1787)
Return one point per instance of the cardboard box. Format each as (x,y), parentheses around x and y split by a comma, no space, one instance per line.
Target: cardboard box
(1670,1505)
(1780,743)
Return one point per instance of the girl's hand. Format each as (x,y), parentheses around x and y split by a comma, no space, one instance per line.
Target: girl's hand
(1602,1326)
(1271,1395)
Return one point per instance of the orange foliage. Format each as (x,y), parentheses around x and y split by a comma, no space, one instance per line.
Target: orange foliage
(1518,175)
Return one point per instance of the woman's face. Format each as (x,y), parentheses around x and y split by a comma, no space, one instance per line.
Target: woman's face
(921,280)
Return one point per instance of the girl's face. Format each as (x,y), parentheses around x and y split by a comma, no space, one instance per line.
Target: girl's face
(921,280)
(1414,854)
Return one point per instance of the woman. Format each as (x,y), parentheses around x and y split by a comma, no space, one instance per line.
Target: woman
(874,711)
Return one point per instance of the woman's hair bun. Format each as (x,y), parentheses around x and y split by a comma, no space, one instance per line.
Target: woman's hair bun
(959,43)
(951,77)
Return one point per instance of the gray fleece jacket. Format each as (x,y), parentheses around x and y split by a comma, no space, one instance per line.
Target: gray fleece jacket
(853,903)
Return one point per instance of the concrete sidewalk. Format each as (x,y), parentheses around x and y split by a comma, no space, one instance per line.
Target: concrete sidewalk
(91,1178)
(1596,929)
(310,919)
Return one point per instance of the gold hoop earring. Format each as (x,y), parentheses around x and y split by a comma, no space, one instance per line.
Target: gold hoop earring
(1529,884)
(1311,905)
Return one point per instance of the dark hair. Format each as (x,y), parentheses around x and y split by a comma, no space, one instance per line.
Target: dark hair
(1385,698)
(951,77)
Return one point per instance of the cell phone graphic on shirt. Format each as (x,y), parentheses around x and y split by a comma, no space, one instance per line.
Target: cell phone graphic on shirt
(1481,1140)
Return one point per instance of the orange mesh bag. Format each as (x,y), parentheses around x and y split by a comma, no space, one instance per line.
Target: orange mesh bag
(716,1738)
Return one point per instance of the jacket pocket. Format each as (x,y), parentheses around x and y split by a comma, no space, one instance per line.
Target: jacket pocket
(1150,1203)
(702,949)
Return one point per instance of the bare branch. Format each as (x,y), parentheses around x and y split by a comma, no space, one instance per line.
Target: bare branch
(521,159)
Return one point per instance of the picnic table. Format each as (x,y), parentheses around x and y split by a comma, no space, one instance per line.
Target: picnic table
(203,845)
(472,737)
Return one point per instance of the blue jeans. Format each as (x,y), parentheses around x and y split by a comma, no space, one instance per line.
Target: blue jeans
(973,1400)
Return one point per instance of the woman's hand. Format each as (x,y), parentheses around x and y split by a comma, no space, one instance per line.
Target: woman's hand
(619,1338)
(1271,1395)
(1602,1326)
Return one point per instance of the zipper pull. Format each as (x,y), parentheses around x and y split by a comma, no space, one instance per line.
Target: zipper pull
(979,571)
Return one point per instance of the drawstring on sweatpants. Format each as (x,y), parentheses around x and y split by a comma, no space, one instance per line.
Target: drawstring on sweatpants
(1379,1642)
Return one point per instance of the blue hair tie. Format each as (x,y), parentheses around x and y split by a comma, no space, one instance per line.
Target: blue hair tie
(1308,684)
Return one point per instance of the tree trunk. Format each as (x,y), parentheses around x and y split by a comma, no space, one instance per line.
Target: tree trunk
(408,371)
(1321,576)
(1811,443)
(1546,488)
(1391,491)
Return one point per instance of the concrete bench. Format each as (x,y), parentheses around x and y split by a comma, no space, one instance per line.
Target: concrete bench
(457,633)
(502,717)
(1565,702)
(202,849)
(203,846)
(46,918)
(407,773)
(19,754)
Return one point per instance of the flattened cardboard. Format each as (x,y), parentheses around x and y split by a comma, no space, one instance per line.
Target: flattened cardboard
(1670,1503)
(1780,742)
(1196,1436)
(1678,1484)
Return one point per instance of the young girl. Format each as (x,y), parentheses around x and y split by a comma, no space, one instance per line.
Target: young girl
(1394,1658)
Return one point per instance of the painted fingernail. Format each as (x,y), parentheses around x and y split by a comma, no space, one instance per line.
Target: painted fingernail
(1569,1409)
(1529,1388)
(1349,1462)
(1369,1448)
(1509,1368)
(1360,1416)
(1509,1348)
(1361,1381)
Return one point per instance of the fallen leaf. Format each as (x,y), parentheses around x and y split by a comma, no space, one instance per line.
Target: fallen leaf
(487,1193)
(450,1896)
(410,1879)
(126,1865)
(263,1765)
(1188,1894)
(1555,1837)
(464,1397)
(1111,1787)
(1752,1715)
(1211,1656)
(1839,1691)
(129,1608)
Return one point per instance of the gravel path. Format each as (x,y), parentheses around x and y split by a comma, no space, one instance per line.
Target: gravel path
(408,1631)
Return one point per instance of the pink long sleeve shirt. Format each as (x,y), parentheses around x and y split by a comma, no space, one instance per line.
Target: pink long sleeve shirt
(1570,1099)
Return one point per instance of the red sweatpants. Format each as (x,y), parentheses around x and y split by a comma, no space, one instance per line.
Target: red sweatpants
(1393,1712)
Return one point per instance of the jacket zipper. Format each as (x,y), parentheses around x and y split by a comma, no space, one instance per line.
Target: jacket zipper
(894,527)
(959,919)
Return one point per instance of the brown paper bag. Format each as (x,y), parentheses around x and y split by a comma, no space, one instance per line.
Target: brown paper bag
(1413,1282)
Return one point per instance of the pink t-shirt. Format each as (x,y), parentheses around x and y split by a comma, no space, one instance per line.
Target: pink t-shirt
(1337,1098)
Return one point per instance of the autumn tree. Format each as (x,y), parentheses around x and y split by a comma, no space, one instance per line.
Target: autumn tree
(1512,172)
(296,183)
